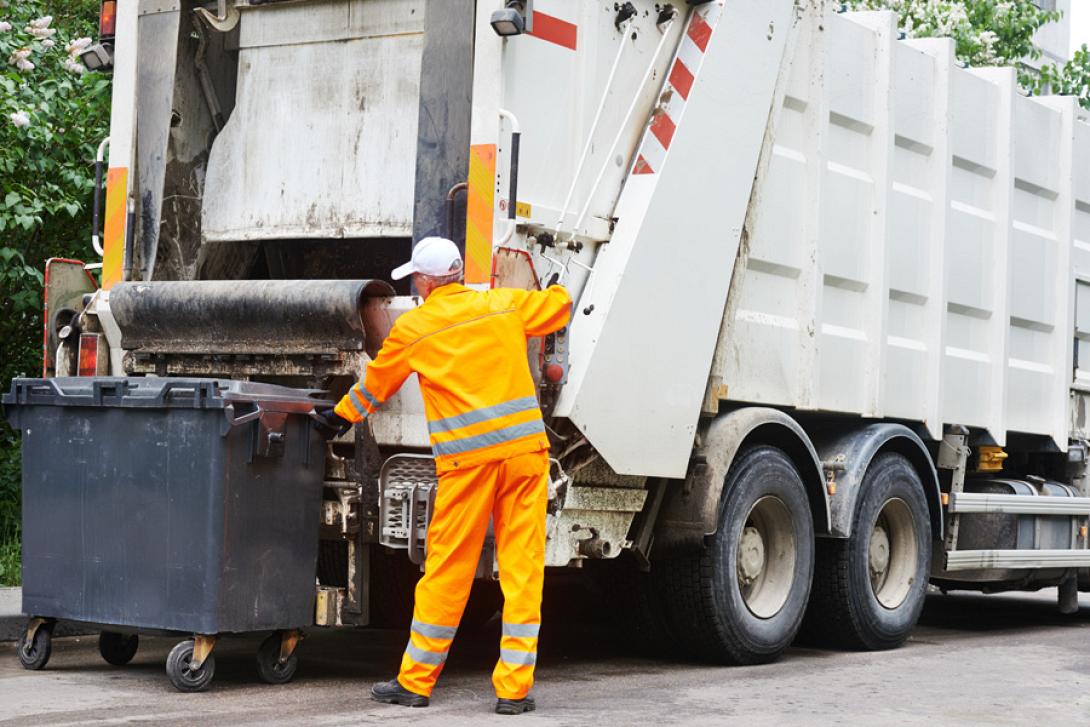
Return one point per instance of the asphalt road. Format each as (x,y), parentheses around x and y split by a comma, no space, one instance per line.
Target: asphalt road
(1006,659)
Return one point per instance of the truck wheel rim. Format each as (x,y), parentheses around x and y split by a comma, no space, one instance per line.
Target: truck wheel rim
(892,554)
(766,557)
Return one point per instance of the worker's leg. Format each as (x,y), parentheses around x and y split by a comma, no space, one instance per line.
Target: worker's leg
(518,520)
(456,534)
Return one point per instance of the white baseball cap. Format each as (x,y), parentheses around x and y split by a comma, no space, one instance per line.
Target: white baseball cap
(435,256)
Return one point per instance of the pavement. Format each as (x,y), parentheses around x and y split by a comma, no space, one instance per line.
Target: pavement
(974,659)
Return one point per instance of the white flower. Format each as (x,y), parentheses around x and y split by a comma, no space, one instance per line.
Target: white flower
(77,46)
(47,43)
(5,26)
(41,33)
(19,59)
(74,66)
(20,119)
(42,22)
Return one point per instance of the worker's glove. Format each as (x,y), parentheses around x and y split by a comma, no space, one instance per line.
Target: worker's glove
(330,423)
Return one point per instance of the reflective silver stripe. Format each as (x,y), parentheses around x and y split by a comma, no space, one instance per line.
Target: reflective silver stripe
(506,434)
(423,656)
(521,631)
(518,658)
(357,403)
(432,631)
(477,416)
(368,395)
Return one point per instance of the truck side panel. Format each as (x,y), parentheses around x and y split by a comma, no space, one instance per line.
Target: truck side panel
(900,267)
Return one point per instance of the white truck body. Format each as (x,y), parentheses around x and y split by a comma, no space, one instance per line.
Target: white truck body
(788,232)
(913,244)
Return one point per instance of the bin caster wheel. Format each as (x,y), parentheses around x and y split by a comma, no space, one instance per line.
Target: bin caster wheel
(117,649)
(269,667)
(35,655)
(180,671)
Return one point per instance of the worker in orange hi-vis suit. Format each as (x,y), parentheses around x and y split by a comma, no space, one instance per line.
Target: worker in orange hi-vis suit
(468,349)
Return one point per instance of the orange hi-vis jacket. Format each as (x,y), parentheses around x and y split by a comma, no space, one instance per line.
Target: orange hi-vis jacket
(469,350)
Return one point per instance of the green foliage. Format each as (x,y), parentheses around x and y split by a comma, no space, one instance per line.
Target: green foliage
(1071,79)
(991,33)
(52,116)
(10,570)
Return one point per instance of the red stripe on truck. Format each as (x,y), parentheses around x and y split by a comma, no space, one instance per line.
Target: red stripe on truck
(699,32)
(681,78)
(642,167)
(663,129)
(555,30)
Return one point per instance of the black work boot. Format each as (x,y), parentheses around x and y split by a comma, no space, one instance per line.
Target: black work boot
(392,692)
(515,706)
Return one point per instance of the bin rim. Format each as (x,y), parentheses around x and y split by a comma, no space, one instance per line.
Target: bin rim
(158,392)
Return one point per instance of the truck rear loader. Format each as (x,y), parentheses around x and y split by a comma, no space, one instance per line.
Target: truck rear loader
(831,287)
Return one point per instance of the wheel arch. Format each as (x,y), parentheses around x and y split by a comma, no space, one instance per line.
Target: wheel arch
(691,511)
(848,453)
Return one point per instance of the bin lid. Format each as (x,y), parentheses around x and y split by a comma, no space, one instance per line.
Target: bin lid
(155,392)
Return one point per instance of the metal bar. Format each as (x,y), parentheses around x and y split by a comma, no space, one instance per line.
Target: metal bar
(621,130)
(446,98)
(960,560)
(593,128)
(32,627)
(202,647)
(288,641)
(96,219)
(953,455)
(971,502)
(512,193)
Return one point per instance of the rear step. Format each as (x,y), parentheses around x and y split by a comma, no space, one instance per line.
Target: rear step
(1015,559)
(973,502)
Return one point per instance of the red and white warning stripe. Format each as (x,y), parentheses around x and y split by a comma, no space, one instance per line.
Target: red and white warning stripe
(675,92)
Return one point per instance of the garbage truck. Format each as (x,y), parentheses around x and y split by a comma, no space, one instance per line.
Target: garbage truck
(830,342)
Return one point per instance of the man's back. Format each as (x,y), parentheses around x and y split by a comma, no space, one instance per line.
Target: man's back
(469,350)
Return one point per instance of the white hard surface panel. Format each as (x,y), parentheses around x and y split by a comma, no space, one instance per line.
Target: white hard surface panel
(322,138)
(555,91)
(641,360)
(914,241)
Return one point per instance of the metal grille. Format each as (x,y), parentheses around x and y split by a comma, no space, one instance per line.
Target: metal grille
(406,497)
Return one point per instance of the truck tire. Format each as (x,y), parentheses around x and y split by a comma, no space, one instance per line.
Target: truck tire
(869,588)
(742,598)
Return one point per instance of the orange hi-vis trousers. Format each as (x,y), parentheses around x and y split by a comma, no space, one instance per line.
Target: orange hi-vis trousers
(514,492)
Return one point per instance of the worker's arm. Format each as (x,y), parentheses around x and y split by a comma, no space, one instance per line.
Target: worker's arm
(383,377)
(544,311)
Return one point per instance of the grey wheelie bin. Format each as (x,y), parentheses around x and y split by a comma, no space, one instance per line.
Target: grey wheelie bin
(187,506)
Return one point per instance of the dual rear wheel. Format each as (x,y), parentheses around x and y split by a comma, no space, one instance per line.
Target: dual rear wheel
(762,576)
(869,589)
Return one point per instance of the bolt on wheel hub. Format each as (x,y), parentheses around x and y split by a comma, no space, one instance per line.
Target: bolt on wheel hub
(751,555)
(765,558)
(893,553)
(879,552)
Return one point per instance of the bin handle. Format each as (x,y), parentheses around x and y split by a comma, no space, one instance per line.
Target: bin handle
(102,388)
(25,392)
(200,390)
(233,421)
